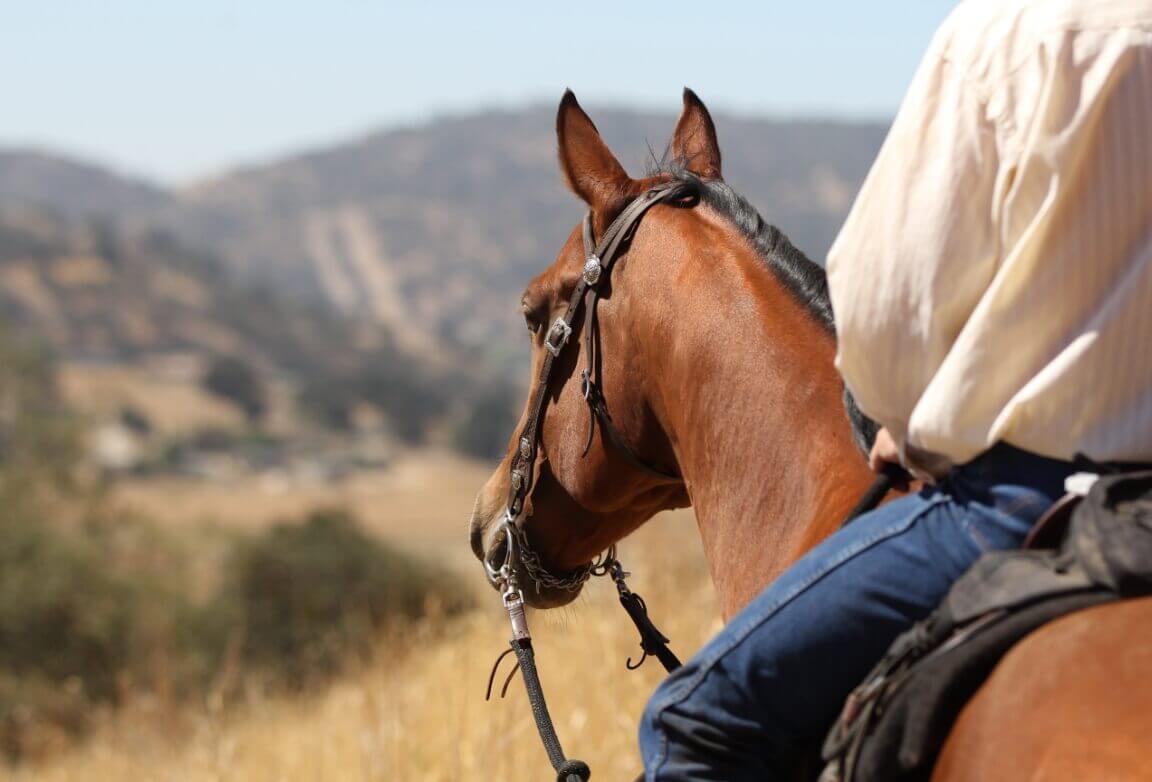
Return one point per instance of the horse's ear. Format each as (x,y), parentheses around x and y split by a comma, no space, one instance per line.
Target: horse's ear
(590,168)
(694,144)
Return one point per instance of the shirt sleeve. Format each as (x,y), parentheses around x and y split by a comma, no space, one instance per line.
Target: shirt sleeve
(919,245)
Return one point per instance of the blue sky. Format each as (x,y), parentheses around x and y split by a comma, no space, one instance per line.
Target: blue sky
(179,90)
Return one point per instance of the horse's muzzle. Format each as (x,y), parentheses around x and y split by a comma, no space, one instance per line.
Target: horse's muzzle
(495,555)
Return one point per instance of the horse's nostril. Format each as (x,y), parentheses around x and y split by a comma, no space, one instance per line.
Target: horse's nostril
(498,553)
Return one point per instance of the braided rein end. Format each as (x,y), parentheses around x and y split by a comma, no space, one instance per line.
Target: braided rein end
(567,770)
(573,771)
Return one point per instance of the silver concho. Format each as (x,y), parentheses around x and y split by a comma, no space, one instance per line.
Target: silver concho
(592,270)
(525,448)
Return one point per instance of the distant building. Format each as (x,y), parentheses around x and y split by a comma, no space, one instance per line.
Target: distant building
(116,447)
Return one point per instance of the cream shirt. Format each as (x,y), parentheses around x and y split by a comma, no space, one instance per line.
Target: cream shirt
(993,280)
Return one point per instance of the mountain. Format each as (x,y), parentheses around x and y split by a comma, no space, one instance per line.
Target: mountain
(71,187)
(433,230)
(146,306)
(92,291)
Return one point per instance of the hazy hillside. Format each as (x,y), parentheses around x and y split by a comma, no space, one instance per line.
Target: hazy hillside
(71,187)
(92,291)
(105,298)
(433,230)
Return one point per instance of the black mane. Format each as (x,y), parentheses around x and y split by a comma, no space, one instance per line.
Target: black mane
(805,280)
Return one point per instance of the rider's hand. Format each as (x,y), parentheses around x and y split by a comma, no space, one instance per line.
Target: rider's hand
(884,451)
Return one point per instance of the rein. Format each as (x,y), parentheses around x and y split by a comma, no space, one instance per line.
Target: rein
(889,476)
(599,261)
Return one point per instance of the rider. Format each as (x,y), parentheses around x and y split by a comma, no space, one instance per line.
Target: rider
(993,296)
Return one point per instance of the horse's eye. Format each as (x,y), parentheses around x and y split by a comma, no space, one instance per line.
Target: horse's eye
(530,319)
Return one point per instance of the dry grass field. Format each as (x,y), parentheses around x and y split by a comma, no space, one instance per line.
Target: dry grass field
(421,501)
(172,405)
(416,711)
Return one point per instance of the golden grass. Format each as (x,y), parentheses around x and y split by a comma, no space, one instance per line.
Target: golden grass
(173,406)
(417,711)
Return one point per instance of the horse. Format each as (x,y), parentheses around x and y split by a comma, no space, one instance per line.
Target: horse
(713,344)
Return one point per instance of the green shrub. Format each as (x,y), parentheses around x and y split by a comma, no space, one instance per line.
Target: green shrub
(307,596)
(62,615)
(389,380)
(67,630)
(39,441)
(237,381)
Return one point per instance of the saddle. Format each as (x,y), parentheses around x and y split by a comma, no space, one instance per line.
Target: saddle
(1085,551)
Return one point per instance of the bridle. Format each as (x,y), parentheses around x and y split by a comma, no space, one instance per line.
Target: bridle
(599,259)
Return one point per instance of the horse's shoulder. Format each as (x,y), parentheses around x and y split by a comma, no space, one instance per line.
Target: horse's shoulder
(1070,701)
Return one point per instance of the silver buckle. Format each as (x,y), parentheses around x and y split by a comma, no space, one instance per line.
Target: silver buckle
(557,336)
(592,270)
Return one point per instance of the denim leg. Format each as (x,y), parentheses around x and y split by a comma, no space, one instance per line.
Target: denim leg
(774,679)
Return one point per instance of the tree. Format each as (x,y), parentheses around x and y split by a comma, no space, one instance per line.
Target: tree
(39,446)
(485,430)
(235,380)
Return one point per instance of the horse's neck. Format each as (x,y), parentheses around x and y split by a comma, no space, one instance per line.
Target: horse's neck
(761,435)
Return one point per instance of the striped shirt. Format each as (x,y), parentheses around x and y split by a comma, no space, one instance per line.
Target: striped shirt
(993,281)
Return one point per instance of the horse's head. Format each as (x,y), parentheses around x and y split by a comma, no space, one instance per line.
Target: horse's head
(584,491)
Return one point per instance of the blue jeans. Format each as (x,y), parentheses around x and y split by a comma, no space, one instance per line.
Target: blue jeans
(770,684)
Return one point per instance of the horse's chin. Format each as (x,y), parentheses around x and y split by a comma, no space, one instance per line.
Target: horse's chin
(546,597)
(535,594)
